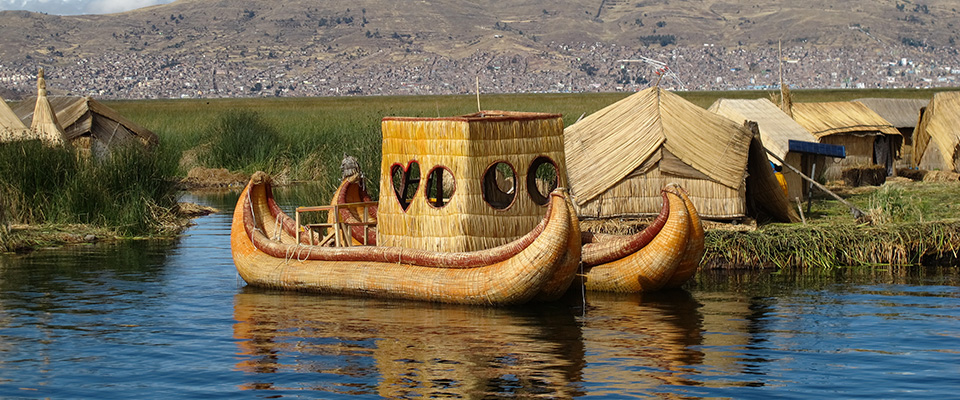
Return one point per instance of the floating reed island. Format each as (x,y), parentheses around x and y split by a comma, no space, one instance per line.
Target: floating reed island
(907,223)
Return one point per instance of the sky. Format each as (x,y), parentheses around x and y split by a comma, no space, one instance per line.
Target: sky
(73,7)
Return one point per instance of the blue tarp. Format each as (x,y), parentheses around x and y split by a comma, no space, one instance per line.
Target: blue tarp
(829,150)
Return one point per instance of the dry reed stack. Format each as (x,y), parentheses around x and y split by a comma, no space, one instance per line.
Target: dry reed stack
(937,138)
(492,159)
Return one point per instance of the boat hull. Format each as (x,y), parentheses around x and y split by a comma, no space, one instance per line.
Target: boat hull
(266,255)
(665,255)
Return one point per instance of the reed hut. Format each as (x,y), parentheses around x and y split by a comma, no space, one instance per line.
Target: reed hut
(937,138)
(867,137)
(777,129)
(44,124)
(469,182)
(903,114)
(620,157)
(11,128)
(92,127)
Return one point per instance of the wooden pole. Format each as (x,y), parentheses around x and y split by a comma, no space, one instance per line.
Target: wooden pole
(856,212)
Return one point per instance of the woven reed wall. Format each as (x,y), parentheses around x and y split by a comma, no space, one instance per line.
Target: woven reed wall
(640,195)
(859,153)
(467,146)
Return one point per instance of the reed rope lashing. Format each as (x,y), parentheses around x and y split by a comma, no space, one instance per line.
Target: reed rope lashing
(276,235)
(252,213)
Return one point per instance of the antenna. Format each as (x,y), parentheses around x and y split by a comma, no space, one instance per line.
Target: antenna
(662,69)
(478,94)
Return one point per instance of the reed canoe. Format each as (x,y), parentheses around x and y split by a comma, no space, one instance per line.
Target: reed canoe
(266,254)
(665,254)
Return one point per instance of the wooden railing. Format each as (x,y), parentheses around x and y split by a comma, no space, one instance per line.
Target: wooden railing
(338,231)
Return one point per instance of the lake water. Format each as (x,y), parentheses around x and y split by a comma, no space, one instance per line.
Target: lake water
(172,320)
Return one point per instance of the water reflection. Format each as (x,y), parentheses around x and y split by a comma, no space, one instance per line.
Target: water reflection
(413,349)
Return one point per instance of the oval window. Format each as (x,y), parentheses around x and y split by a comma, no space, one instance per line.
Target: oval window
(542,178)
(405,182)
(440,177)
(499,185)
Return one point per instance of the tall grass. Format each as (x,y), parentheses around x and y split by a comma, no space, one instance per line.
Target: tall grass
(129,191)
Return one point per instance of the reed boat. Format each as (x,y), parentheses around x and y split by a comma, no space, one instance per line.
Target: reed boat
(489,224)
(664,255)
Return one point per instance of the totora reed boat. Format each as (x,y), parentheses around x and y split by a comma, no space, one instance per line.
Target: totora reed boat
(453,237)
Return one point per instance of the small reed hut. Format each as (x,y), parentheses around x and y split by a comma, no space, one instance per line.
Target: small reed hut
(867,137)
(11,128)
(903,114)
(937,138)
(620,157)
(469,182)
(92,127)
(777,129)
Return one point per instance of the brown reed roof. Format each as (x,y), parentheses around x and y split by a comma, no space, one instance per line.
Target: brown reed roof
(80,115)
(901,113)
(840,117)
(609,144)
(11,128)
(940,126)
(776,127)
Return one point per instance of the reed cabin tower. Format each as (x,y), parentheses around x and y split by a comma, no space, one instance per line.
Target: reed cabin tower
(469,182)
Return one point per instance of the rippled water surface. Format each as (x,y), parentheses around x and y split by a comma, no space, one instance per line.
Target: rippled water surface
(172,320)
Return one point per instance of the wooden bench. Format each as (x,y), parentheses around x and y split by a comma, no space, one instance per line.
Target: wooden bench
(340,232)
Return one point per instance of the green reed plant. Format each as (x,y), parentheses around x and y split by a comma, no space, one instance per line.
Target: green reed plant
(241,140)
(128,191)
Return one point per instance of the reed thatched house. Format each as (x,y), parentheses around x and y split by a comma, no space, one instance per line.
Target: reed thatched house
(937,138)
(867,137)
(11,128)
(91,126)
(469,182)
(620,157)
(903,114)
(777,129)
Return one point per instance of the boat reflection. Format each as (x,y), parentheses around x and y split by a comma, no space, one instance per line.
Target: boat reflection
(406,349)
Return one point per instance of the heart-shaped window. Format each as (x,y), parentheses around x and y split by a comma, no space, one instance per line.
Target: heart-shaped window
(405,182)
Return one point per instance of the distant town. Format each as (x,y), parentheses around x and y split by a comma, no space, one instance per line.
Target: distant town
(579,67)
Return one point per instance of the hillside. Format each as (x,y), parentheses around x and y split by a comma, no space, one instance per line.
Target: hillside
(373,33)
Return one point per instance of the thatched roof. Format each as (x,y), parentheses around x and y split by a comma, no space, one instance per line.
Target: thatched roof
(940,126)
(11,128)
(44,122)
(606,146)
(776,127)
(841,117)
(901,113)
(81,116)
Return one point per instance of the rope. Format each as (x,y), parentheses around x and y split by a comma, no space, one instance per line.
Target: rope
(276,228)
(254,214)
